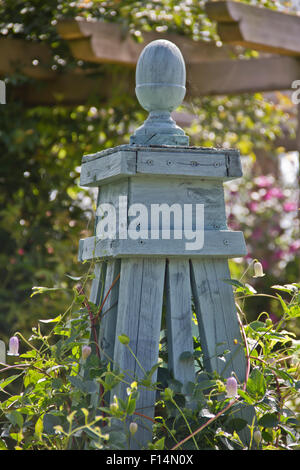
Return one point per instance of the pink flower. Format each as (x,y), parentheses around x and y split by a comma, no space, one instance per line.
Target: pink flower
(13,346)
(294,246)
(290,206)
(21,251)
(273,192)
(253,206)
(263,181)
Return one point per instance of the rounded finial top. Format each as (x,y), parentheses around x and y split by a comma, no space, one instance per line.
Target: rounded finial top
(160,76)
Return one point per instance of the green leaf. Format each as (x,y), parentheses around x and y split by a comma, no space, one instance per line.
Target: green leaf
(49,422)
(15,418)
(6,382)
(269,420)
(52,320)
(160,444)
(256,384)
(3,445)
(38,428)
(131,406)
(42,290)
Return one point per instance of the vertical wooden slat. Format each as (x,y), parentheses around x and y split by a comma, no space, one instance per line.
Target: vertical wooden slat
(217,318)
(108,318)
(139,317)
(179,320)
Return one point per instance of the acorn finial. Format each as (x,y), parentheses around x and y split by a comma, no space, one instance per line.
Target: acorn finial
(160,89)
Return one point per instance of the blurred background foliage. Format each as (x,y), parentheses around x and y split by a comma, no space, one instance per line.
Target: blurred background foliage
(44,213)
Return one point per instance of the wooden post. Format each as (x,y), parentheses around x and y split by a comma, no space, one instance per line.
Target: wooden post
(161,225)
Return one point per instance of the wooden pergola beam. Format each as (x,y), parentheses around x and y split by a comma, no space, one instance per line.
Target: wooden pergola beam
(218,77)
(256,27)
(242,76)
(101,42)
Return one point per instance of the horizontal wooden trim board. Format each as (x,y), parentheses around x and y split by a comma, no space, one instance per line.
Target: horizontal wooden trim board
(217,243)
(256,27)
(165,161)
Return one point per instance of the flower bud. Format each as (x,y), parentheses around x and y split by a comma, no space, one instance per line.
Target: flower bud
(13,346)
(114,407)
(257,436)
(86,351)
(231,387)
(258,269)
(133,428)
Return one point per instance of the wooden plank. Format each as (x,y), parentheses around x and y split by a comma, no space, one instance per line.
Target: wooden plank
(169,194)
(139,317)
(2,352)
(173,162)
(179,321)
(220,243)
(108,168)
(72,88)
(108,316)
(103,42)
(256,27)
(242,76)
(217,318)
(30,58)
(209,166)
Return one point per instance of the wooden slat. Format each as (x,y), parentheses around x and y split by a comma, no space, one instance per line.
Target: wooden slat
(221,165)
(108,316)
(139,317)
(217,318)
(220,243)
(242,76)
(73,89)
(179,321)
(256,27)
(108,168)
(101,42)
(19,55)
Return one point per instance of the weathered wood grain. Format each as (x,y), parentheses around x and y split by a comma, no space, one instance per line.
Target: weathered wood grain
(179,321)
(108,316)
(256,27)
(2,352)
(242,76)
(139,317)
(107,168)
(222,243)
(101,42)
(217,318)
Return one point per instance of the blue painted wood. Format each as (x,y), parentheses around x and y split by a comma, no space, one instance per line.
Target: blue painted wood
(179,321)
(139,317)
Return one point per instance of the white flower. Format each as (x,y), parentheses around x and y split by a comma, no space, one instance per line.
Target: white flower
(257,436)
(133,428)
(258,269)
(13,346)
(231,387)
(86,351)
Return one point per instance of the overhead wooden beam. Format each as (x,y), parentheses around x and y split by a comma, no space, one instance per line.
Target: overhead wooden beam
(256,27)
(101,42)
(30,58)
(242,76)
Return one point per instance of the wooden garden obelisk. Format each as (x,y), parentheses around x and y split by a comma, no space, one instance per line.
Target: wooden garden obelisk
(161,225)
